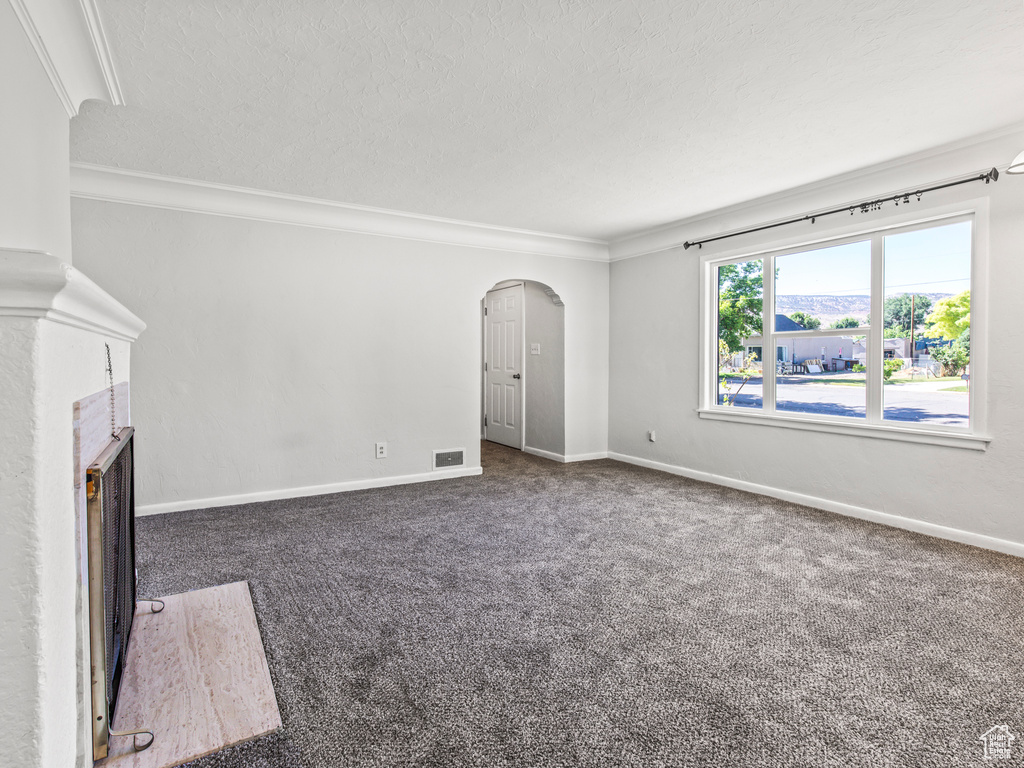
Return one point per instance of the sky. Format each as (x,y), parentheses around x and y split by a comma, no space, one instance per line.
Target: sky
(934,260)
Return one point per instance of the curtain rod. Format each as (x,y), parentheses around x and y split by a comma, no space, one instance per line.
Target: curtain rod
(864,206)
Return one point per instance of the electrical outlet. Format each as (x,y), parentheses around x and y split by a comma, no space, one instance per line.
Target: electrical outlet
(381,450)
(651,436)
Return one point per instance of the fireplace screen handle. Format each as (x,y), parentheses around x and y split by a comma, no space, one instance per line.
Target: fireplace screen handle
(153,604)
(135,738)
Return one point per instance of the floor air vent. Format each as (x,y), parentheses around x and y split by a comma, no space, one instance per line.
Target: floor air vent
(452,457)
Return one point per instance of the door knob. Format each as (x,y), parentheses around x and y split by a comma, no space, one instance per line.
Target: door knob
(516,376)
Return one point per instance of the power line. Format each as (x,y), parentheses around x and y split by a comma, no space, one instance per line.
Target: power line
(865,292)
(931,282)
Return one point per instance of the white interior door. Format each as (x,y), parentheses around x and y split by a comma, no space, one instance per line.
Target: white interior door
(503,360)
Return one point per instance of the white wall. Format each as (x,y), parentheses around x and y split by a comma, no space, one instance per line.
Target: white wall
(545,373)
(34,183)
(654,381)
(276,355)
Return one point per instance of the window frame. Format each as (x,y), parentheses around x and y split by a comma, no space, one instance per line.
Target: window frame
(879,226)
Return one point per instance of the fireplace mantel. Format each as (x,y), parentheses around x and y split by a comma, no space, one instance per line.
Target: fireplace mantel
(37,284)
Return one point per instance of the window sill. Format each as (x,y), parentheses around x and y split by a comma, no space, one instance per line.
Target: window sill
(930,437)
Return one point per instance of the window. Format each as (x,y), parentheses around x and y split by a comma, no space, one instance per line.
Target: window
(740,311)
(870,332)
(926,311)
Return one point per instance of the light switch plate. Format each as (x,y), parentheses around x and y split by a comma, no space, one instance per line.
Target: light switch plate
(535,349)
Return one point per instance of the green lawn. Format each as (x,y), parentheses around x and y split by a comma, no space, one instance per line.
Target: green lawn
(954,389)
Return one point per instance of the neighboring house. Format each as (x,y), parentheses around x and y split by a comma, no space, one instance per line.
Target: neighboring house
(891,349)
(924,346)
(784,352)
(797,349)
(825,348)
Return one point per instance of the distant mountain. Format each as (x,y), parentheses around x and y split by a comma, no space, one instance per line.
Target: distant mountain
(828,309)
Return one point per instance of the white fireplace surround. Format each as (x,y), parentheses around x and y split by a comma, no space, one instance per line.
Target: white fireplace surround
(54,323)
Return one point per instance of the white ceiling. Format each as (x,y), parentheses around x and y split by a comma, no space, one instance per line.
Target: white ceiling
(591,118)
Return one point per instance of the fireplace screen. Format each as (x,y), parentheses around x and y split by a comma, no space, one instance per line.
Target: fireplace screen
(111,526)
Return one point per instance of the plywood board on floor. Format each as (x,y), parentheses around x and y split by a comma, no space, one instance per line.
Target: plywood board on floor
(197,676)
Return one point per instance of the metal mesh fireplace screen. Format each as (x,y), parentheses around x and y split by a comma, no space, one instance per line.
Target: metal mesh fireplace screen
(118,564)
(111,527)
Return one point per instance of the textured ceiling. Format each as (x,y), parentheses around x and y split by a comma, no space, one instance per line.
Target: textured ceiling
(586,118)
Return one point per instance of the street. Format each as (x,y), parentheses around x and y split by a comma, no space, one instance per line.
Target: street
(917,402)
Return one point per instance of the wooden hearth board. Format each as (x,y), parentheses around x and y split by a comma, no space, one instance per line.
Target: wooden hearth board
(197,676)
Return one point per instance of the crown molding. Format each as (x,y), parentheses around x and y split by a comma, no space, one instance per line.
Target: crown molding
(116,185)
(101,49)
(979,152)
(72,47)
(37,285)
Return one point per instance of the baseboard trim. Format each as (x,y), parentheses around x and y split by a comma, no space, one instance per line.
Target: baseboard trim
(310,490)
(587,456)
(560,458)
(849,510)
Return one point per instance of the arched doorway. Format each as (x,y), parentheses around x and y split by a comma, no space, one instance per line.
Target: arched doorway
(523,403)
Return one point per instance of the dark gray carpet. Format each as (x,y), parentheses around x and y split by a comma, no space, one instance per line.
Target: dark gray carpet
(598,614)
